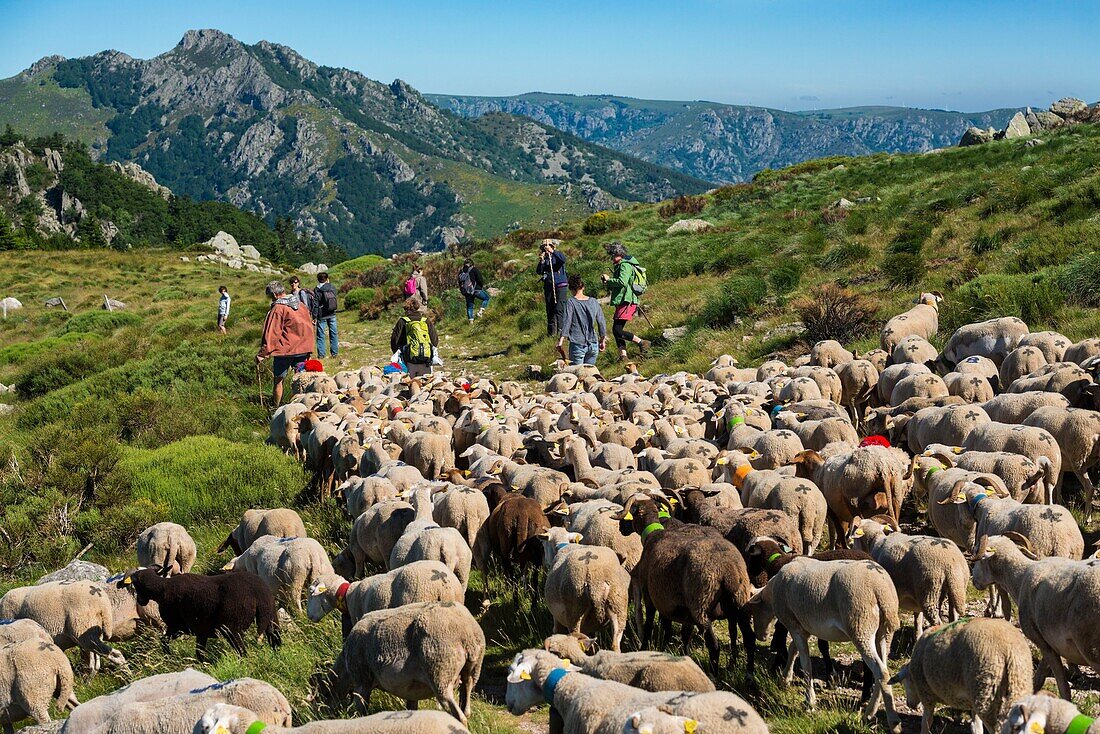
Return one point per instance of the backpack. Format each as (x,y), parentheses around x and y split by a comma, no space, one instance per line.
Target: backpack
(410,286)
(324,301)
(418,342)
(465,283)
(640,282)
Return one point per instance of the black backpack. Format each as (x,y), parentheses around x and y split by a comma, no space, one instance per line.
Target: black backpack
(324,300)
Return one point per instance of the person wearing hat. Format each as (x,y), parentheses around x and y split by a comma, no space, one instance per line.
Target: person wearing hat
(555,284)
(415,338)
(623,298)
(287,337)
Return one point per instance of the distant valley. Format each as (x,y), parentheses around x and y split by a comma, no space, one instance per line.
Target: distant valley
(729,143)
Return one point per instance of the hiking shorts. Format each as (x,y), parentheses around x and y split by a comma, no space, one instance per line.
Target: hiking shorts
(281,364)
(221,320)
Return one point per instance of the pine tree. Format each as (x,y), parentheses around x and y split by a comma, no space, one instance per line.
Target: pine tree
(8,239)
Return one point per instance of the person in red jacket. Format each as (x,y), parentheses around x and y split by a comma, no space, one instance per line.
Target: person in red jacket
(287,336)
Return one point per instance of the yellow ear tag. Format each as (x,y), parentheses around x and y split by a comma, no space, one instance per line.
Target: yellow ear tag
(672,501)
(1035,728)
(219,729)
(628,516)
(989,552)
(857,533)
(127,580)
(566,661)
(723,461)
(959,450)
(524,675)
(650,432)
(689,726)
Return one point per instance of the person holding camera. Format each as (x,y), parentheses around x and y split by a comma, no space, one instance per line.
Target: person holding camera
(555,285)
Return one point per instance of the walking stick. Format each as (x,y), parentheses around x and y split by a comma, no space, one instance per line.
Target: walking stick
(641,310)
(260,386)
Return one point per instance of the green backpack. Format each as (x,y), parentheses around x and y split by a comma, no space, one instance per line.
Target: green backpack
(640,282)
(418,342)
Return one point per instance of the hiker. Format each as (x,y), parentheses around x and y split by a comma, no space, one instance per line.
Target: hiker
(324,314)
(583,325)
(555,284)
(472,288)
(417,285)
(621,286)
(415,338)
(223,308)
(305,297)
(287,337)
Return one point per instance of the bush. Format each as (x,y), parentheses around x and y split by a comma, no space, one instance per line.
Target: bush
(856,222)
(784,276)
(843,255)
(984,242)
(61,367)
(832,312)
(911,237)
(682,205)
(1031,255)
(903,268)
(204,478)
(1080,280)
(101,322)
(357,297)
(603,222)
(738,296)
(1035,298)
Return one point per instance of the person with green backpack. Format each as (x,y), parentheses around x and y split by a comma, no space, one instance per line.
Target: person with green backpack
(415,339)
(627,282)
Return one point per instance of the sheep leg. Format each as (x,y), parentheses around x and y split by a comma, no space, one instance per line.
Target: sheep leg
(779,646)
(976,726)
(1086,482)
(666,630)
(447,700)
(647,627)
(1054,662)
(802,643)
(470,674)
(830,668)
(687,632)
(8,728)
(918,624)
(617,630)
(712,647)
(792,656)
(744,623)
(928,714)
(877,666)
(414,705)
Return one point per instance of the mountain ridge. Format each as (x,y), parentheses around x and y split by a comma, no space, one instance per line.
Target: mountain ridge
(730,143)
(370,166)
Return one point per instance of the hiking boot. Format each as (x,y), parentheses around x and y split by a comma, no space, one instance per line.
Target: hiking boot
(623,356)
(645,344)
(471,322)
(481,312)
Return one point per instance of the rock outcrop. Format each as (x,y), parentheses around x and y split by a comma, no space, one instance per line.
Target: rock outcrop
(689,226)
(136,173)
(1066,111)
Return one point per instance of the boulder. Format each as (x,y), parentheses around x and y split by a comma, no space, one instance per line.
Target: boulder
(115,305)
(224,244)
(674,334)
(184,259)
(311,269)
(1068,107)
(5,408)
(5,389)
(841,203)
(689,225)
(77,570)
(55,302)
(10,304)
(250,252)
(252,267)
(1017,127)
(1042,120)
(449,236)
(976,136)
(1034,141)
(235,264)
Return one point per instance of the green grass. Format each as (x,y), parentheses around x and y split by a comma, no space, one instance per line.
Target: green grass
(44,108)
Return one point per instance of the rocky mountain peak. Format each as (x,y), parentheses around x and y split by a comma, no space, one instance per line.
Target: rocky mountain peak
(206,38)
(43,64)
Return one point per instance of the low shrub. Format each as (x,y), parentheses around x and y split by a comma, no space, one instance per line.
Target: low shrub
(682,205)
(856,222)
(832,312)
(603,222)
(843,255)
(22,351)
(1036,253)
(101,322)
(357,297)
(784,276)
(984,241)
(205,478)
(903,268)
(911,237)
(1080,279)
(1036,298)
(737,297)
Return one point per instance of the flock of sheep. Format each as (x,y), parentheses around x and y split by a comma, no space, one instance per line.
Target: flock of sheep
(681,498)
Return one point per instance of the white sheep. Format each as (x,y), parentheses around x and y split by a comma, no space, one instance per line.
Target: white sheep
(993,339)
(167,545)
(33,673)
(977,665)
(87,717)
(837,601)
(650,671)
(227,719)
(921,320)
(288,566)
(281,522)
(586,587)
(417,651)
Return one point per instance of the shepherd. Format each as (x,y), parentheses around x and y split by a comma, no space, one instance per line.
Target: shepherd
(287,337)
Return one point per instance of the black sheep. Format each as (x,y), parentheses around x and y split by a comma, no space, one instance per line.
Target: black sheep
(205,606)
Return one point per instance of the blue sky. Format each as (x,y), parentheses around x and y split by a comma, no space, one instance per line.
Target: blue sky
(955,54)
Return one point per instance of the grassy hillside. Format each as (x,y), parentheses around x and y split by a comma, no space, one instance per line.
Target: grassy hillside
(126,418)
